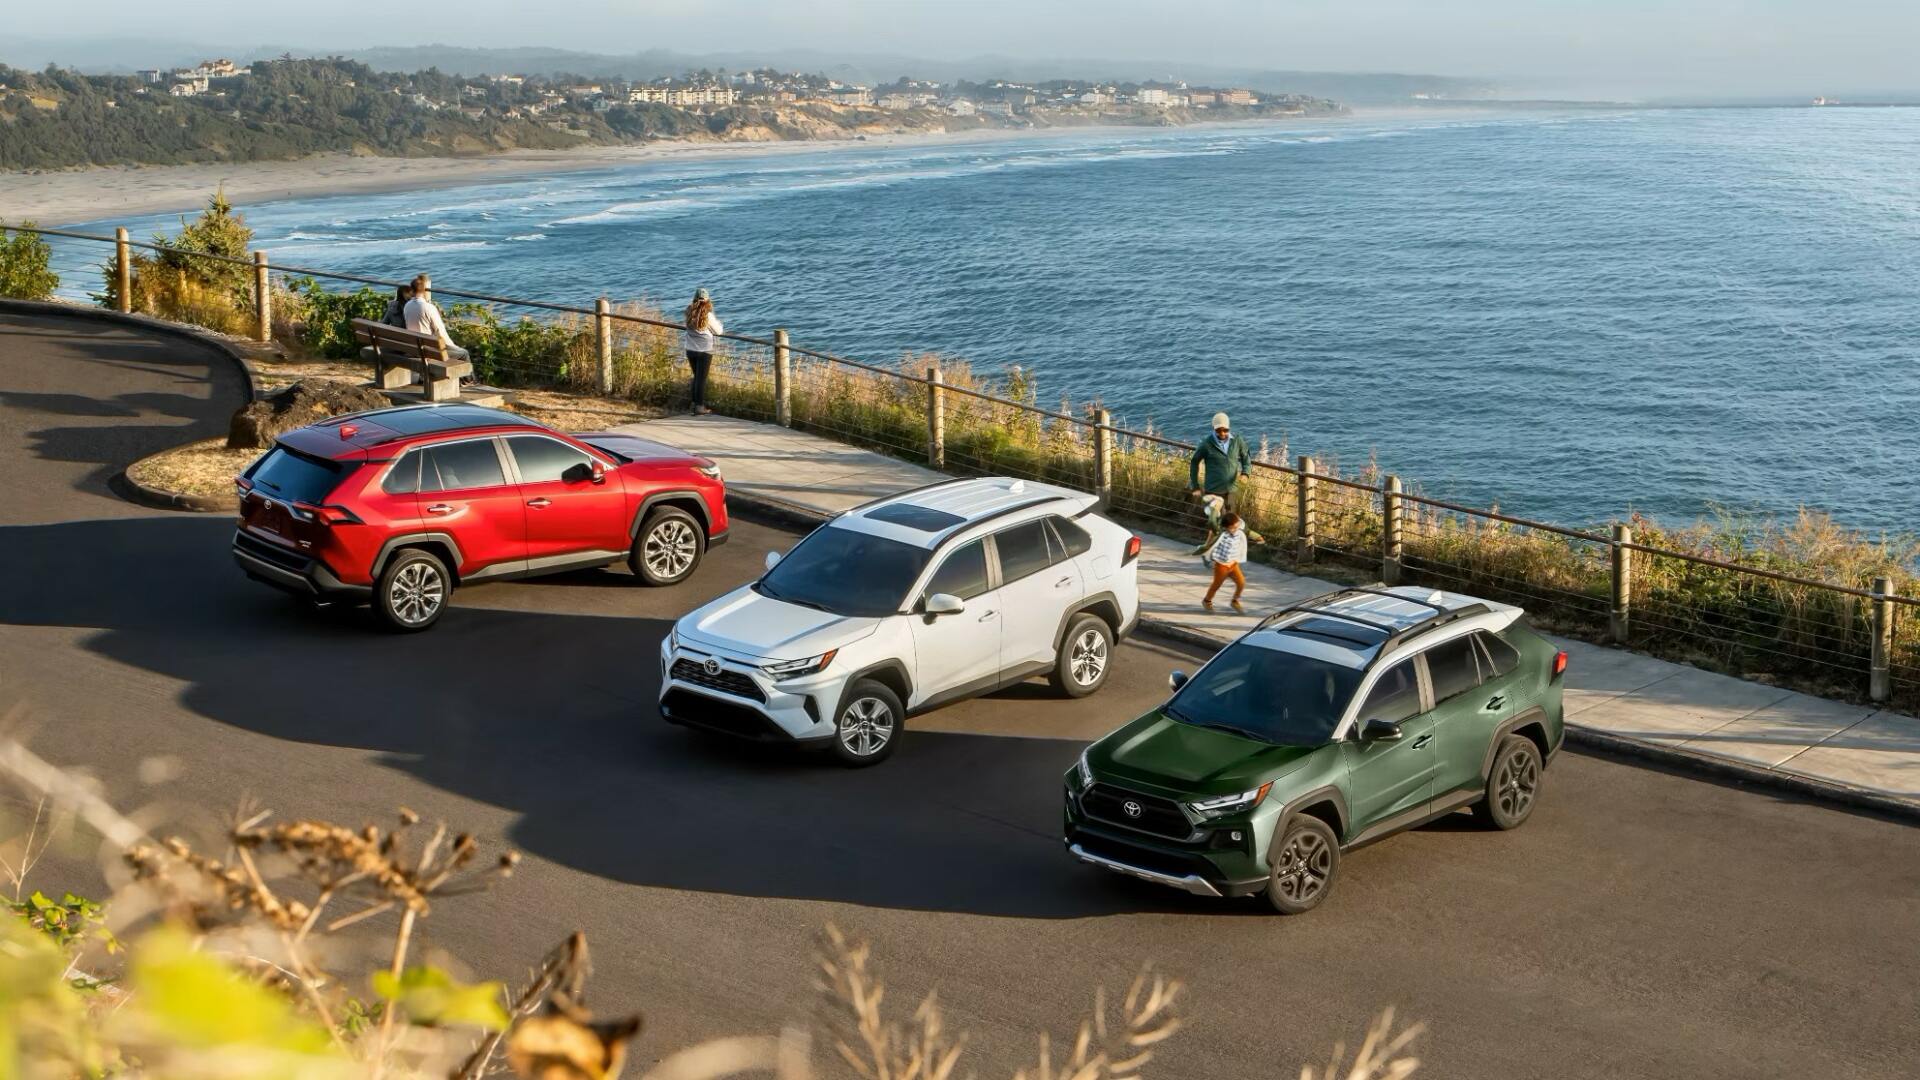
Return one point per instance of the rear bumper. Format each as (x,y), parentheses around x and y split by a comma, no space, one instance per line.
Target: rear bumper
(289,571)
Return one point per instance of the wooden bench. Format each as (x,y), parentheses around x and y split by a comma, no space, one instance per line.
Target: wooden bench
(401,358)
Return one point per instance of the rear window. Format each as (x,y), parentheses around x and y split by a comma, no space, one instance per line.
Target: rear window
(292,477)
(1023,550)
(1453,668)
(1074,539)
(461,466)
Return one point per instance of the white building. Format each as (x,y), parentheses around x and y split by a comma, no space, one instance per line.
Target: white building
(997,108)
(898,102)
(1153,95)
(857,96)
(961,107)
(1096,97)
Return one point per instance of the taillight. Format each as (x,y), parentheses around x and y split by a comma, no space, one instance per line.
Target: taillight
(1559,663)
(1133,550)
(245,485)
(326,515)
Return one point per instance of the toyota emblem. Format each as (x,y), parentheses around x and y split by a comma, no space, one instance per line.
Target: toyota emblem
(1131,808)
(712,666)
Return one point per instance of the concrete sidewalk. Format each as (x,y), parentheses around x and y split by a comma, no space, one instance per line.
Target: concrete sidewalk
(1617,699)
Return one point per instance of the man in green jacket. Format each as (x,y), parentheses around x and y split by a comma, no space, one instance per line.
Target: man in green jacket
(1225,458)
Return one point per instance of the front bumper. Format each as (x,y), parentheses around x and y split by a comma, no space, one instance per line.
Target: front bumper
(741,700)
(1210,862)
(288,570)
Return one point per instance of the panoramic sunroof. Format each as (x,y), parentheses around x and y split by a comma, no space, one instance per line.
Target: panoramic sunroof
(1339,630)
(916,517)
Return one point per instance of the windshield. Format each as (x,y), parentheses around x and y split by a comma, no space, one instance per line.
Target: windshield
(846,572)
(1266,694)
(293,477)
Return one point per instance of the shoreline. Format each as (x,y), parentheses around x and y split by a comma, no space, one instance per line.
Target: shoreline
(55,199)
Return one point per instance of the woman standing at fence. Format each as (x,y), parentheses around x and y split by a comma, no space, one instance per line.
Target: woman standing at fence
(701,325)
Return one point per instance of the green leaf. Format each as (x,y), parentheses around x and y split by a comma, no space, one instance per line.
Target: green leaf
(429,995)
(196,1000)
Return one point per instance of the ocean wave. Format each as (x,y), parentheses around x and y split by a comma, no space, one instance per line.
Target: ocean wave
(529,236)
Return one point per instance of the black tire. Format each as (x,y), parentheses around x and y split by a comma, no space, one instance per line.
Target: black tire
(668,548)
(1086,657)
(412,591)
(1305,861)
(867,724)
(1513,784)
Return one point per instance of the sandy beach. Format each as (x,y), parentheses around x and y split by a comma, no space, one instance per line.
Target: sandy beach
(54,198)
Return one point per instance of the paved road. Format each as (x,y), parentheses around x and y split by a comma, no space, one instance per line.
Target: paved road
(1643,925)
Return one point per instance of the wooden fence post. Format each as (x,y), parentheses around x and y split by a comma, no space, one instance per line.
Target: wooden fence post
(603,342)
(1307,511)
(262,299)
(1880,674)
(1390,543)
(1103,457)
(936,418)
(1619,617)
(122,271)
(782,380)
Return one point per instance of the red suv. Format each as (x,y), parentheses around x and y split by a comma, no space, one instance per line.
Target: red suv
(397,506)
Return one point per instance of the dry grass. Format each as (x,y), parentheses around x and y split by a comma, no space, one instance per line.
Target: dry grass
(203,469)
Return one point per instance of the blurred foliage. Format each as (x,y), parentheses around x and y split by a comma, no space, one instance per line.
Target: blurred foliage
(25,261)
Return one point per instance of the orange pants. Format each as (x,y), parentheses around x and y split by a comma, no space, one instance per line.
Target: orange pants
(1223,571)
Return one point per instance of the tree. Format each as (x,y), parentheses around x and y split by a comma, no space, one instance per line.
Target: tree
(24,271)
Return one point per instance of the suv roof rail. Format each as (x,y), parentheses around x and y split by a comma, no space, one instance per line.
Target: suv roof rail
(1396,633)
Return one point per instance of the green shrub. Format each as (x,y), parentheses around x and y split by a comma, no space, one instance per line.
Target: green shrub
(326,318)
(24,266)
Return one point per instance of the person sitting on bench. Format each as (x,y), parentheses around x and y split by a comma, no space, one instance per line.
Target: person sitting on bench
(423,317)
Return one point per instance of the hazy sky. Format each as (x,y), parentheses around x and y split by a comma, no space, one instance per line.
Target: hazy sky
(1649,46)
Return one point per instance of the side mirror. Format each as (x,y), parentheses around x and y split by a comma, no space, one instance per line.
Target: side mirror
(1381,731)
(581,472)
(773,559)
(599,473)
(945,604)
(1177,680)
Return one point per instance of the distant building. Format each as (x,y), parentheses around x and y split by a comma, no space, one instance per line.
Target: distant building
(647,95)
(1200,99)
(856,96)
(1236,97)
(586,90)
(997,108)
(1152,95)
(151,75)
(1096,97)
(961,107)
(183,89)
(510,80)
(897,102)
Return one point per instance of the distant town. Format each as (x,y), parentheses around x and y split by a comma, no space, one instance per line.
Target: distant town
(287,108)
(528,95)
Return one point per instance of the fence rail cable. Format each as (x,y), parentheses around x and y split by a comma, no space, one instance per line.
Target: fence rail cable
(1120,434)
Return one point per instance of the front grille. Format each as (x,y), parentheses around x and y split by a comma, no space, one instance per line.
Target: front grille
(727,681)
(1161,817)
(723,716)
(1171,863)
(244,541)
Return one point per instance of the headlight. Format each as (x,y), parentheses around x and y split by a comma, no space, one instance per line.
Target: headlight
(709,470)
(1222,805)
(1084,772)
(673,639)
(787,669)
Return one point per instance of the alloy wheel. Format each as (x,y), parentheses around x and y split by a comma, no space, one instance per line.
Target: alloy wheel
(1514,788)
(866,726)
(1089,659)
(670,548)
(416,593)
(1304,867)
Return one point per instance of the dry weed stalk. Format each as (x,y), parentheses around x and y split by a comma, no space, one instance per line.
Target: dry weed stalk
(1147,1018)
(1377,1058)
(851,1016)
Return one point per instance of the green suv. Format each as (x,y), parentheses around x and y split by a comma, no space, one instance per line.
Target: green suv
(1330,724)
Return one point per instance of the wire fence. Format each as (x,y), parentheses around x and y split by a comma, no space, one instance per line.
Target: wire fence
(1688,602)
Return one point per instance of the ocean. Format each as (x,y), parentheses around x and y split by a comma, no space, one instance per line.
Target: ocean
(1576,316)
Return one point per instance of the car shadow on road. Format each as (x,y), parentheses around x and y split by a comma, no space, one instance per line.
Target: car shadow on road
(552,717)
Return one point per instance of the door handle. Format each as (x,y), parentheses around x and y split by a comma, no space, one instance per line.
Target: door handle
(984,616)
(439,508)
(1063,583)
(539,504)
(1421,742)
(1497,701)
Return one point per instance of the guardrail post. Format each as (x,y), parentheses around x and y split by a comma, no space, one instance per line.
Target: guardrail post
(782,380)
(603,342)
(262,299)
(1390,544)
(936,418)
(1103,456)
(1620,612)
(122,271)
(1307,511)
(1880,675)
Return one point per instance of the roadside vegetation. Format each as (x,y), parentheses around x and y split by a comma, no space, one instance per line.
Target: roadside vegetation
(295,953)
(1744,624)
(25,265)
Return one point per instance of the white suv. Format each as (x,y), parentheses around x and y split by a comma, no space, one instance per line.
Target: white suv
(904,604)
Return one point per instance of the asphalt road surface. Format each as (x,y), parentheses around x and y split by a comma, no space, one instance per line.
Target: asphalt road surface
(1641,925)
